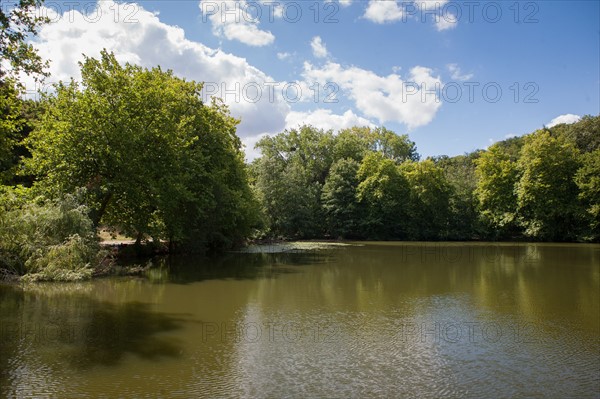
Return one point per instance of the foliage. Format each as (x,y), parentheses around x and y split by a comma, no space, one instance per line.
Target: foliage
(368,183)
(48,239)
(384,192)
(289,179)
(584,135)
(497,175)
(430,192)
(16,24)
(154,159)
(307,181)
(343,212)
(588,181)
(459,172)
(547,195)
(16,122)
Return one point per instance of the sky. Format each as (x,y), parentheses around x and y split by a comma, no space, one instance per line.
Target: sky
(454,76)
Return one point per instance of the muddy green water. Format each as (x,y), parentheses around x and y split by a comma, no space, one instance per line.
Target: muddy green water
(372,320)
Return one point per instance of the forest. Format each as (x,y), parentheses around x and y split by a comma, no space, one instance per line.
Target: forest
(364,183)
(137,151)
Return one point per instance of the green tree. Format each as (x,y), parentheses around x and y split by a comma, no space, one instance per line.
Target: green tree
(395,147)
(343,212)
(17,118)
(10,124)
(289,177)
(353,143)
(429,200)
(17,23)
(585,134)
(547,195)
(588,181)
(497,174)
(460,174)
(384,192)
(154,159)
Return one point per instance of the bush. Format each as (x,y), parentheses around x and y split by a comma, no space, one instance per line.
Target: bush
(46,239)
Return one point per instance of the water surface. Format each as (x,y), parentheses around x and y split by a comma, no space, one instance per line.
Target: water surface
(368,320)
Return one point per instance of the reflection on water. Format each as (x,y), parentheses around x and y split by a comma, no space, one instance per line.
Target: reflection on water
(376,320)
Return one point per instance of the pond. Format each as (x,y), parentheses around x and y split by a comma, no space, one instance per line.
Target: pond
(368,319)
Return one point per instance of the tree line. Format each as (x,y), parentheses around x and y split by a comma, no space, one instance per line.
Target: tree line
(365,183)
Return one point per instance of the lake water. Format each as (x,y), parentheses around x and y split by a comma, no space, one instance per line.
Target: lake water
(366,320)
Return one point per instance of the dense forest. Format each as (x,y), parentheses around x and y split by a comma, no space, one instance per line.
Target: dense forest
(364,183)
(137,151)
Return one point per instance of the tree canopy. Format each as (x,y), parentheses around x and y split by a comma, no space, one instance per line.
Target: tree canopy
(369,183)
(153,158)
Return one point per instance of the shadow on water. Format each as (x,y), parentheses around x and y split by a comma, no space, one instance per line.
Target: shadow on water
(48,328)
(113,331)
(233,266)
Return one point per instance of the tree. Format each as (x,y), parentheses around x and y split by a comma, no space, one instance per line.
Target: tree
(497,175)
(395,147)
(289,178)
(16,24)
(429,200)
(547,196)
(588,181)
(343,212)
(17,118)
(384,192)
(585,134)
(10,123)
(459,172)
(353,143)
(154,159)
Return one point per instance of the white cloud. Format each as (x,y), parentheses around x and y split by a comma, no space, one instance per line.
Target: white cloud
(456,73)
(413,102)
(234,21)
(249,143)
(318,47)
(283,56)
(384,11)
(150,42)
(324,119)
(381,12)
(566,118)
(445,21)
(273,9)
(343,3)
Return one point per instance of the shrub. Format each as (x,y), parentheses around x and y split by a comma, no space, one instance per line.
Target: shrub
(47,239)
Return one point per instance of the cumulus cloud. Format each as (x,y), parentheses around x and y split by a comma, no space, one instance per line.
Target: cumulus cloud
(325,119)
(413,101)
(386,11)
(234,21)
(456,73)
(566,118)
(382,12)
(249,143)
(318,47)
(149,42)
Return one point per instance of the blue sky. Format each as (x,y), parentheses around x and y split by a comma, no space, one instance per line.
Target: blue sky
(455,76)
